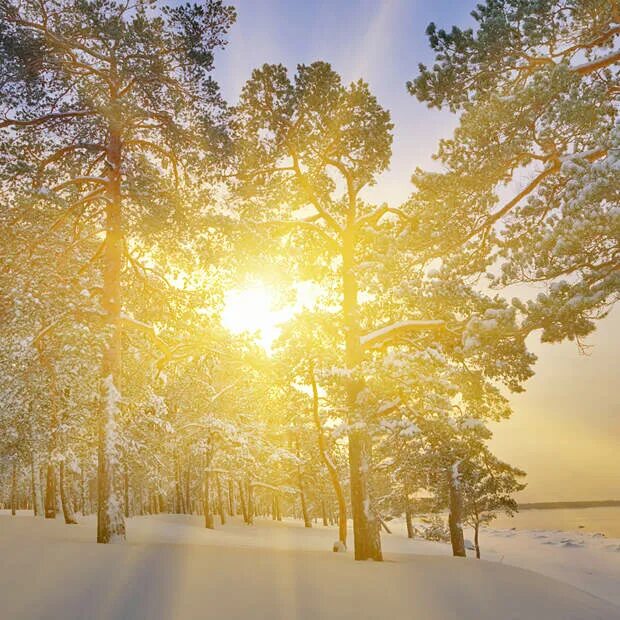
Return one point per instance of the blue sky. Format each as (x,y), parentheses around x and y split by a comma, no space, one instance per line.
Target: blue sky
(566,427)
(381,41)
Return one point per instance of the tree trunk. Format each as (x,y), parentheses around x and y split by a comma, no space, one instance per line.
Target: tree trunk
(324,512)
(179,500)
(14,489)
(366,536)
(37,499)
(331,468)
(232,509)
(126,490)
(409,520)
(82,491)
(456,510)
(67,508)
(244,508)
(220,499)
(188,484)
(50,492)
(207,493)
(278,510)
(302,493)
(476,539)
(110,518)
(32,488)
(304,508)
(250,520)
(408,511)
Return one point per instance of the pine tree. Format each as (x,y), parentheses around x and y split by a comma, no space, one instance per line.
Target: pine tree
(536,87)
(307,149)
(108,111)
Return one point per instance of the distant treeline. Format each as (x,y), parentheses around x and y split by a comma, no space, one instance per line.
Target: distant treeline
(552,505)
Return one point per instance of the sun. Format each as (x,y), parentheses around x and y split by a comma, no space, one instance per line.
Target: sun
(251,310)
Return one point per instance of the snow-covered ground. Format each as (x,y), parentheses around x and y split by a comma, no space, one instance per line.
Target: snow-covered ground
(172,568)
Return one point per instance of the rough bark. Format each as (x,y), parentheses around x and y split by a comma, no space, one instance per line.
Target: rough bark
(110,518)
(367,540)
(220,499)
(409,520)
(65,500)
(456,512)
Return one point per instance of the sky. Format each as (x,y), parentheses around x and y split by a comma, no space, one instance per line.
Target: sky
(565,431)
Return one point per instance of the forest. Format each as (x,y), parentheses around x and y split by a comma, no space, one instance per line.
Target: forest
(203,313)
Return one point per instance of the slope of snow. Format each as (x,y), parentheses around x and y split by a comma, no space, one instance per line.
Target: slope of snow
(172,568)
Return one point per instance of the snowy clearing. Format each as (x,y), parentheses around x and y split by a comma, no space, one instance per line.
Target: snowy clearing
(174,568)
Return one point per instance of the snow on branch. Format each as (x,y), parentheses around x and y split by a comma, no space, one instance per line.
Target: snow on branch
(598,63)
(147,329)
(31,122)
(271,487)
(397,329)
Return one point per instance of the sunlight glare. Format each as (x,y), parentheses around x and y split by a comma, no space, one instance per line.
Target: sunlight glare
(252,310)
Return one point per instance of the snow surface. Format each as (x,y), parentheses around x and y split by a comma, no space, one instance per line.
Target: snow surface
(173,568)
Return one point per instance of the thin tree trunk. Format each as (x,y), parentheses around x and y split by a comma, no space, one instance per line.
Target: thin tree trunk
(82,492)
(220,499)
(67,508)
(331,468)
(50,492)
(110,518)
(232,509)
(384,525)
(207,493)
(251,508)
(476,539)
(33,488)
(456,510)
(278,510)
(126,489)
(302,493)
(244,508)
(179,501)
(408,512)
(324,512)
(188,482)
(14,489)
(36,487)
